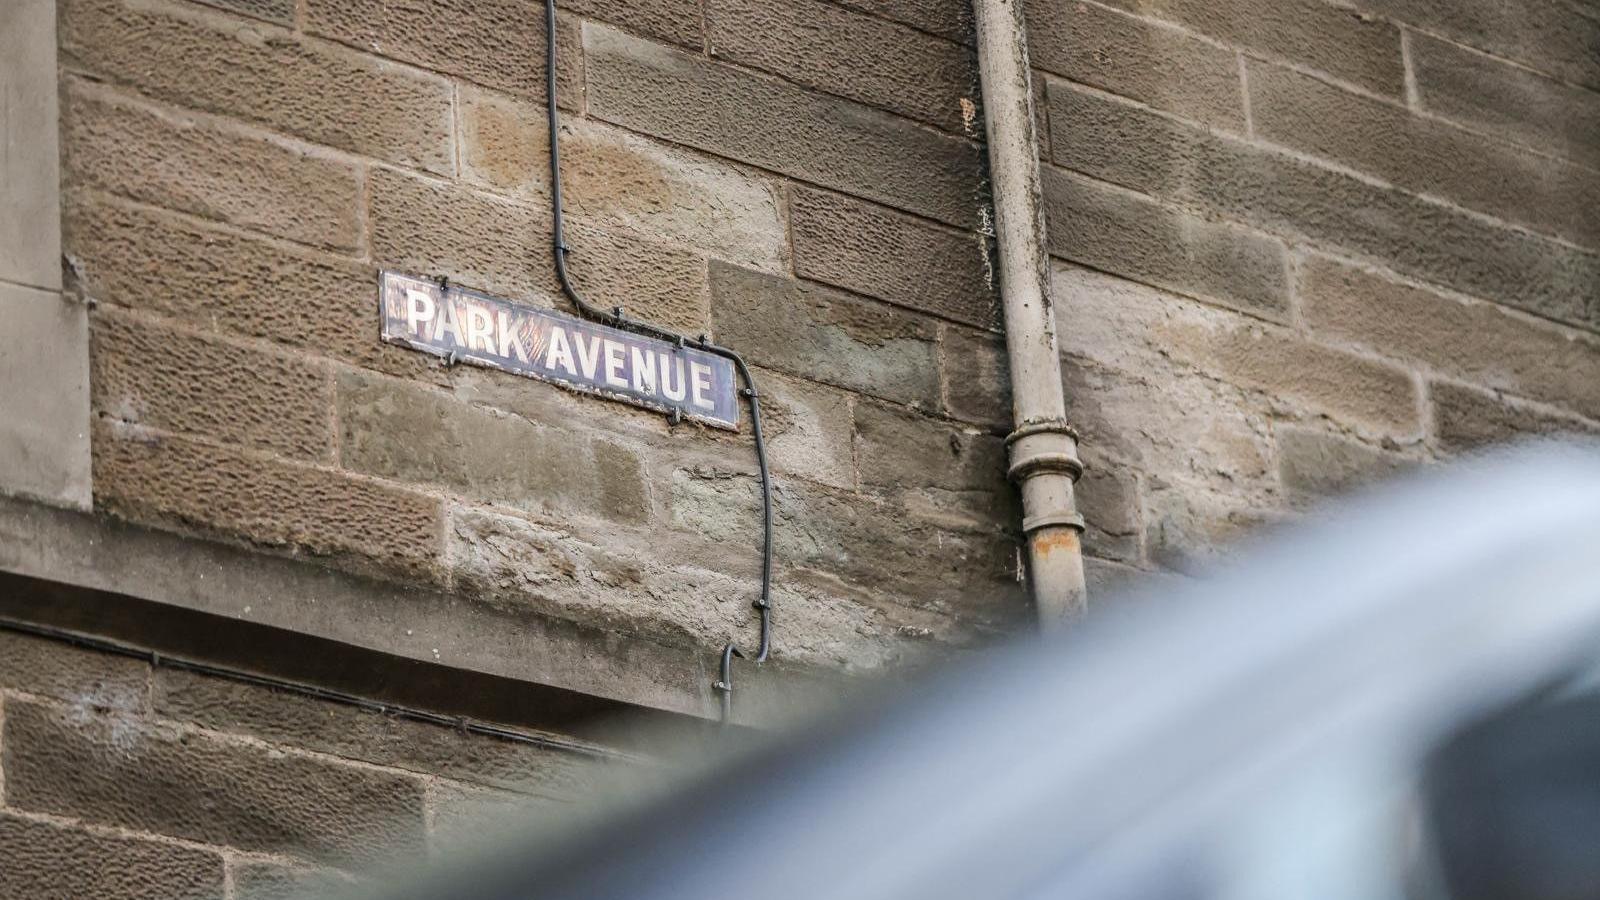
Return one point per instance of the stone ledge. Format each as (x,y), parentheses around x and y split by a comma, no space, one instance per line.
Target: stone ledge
(568,670)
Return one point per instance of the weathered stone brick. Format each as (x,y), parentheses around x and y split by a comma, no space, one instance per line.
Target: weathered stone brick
(1115,582)
(87,679)
(398,431)
(807,428)
(871,250)
(150,777)
(897,448)
(922,561)
(619,179)
(776,125)
(1315,464)
(499,43)
(1138,329)
(213,278)
(1550,35)
(677,21)
(977,380)
(641,586)
(1305,201)
(257,880)
(265,75)
(1476,341)
(464,819)
(1209,431)
(1469,419)
(163,479)
(1339,41)
(354,733)
(147,373)
(1119,231)
(958,470)
(1189,529)
(848,54)
(280,11)
(1510,101)
(1108,498)
(1424,154)
(826,336)
(173,160)
(50,861)
(1137,58)
(502,246)
(947,19)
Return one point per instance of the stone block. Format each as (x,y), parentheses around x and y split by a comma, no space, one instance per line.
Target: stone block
(1209,431)
(899,258)
(827,336)
(1190,529)
(776,125)
(924,558)
(57,861)
(1476,341)
(258,880)
(838,51)
(678,21)
(176,161)
(400,432)
(498,43)
(147,373)
(941,17)
(619,179)
(1304,201)
(1119,231)
(498,245)
(1140,330)
(145,776)
(1552,36)
(977,380)
(1108,498)
(1315,464)
(279,11)
(1339,41)
(1512,102)
(808,429)
(1466,419)
(166,480)
(213,278)
(1425,155)
(87,679)
(897,448)
(265,75)
(1138,58)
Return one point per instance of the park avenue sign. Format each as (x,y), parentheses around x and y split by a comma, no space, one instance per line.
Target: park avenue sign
(469,327)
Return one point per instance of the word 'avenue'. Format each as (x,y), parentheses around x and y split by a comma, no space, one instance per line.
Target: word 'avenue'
(470,327)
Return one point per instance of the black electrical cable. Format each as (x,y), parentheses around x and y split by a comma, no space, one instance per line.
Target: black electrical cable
(615,318)
(160,660)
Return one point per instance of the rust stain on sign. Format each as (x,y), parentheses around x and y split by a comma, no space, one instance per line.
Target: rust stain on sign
(471,327)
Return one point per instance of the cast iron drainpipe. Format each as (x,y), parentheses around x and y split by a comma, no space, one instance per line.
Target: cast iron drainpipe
(1043,447)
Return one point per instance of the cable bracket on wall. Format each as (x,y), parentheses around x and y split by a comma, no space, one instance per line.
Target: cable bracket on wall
(615,318)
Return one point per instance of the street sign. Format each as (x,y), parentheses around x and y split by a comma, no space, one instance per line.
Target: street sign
(470,327)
